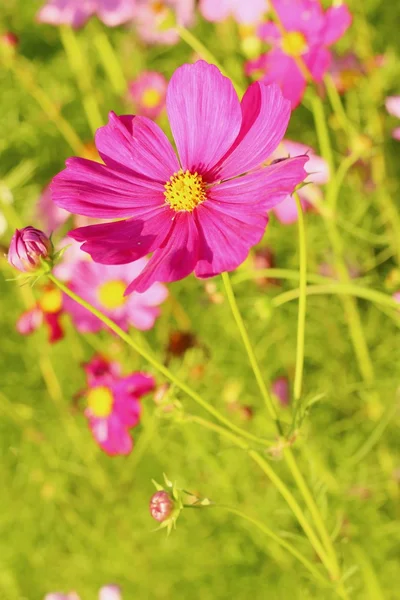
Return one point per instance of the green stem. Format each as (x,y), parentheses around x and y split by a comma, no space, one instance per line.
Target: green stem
(269,403)
(110,61)
(301,322)
(322,133)
(28,81)
(157,365)
(289,274)
(79,66)
(337,106)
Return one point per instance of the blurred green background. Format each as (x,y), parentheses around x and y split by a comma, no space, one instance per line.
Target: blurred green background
(73,518)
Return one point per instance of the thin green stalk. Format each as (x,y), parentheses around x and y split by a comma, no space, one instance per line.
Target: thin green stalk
(289,274)
(110,61)
(276,538)
(322,133)
(157,365)
(276,481)
(79,66)
(301,322)
(337,106)
(269,403)
(28,81)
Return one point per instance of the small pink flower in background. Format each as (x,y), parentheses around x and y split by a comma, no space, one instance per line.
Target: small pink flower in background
(60,596)
(148,93)
(153,17)
(48,311)
(309,33)
(28,248)
(113,408)
(107,592)
(103,286)
(243,11)
(393,107)
(99,370)
(346,71)
(188,211)
(396,296)
(318,170)
(280,388)
(49,215)
(77,12)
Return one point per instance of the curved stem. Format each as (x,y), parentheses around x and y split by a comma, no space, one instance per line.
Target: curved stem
(269,403)
(157,365)
(301,322)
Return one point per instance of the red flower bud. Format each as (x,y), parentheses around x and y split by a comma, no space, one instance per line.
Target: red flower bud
(161,506)
(28,247)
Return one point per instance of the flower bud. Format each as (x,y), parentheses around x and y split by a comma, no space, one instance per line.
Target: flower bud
(161,506)
(27,249)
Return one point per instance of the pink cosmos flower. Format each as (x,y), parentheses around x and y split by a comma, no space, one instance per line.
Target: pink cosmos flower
(148,93)
(243,11)
(280,388)
(77,12)
(103,287)
(113,408)
(309,31)
(48,311)
(393,107)
(318,171)
(153,17)
(202,212)
(99,370)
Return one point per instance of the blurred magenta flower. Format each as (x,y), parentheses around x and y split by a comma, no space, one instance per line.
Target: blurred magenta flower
(50,215)
(393,107)
(113,408)
(77,12)
(107,592)
(60,596)
(155,20)
(161,506)
(280,388)
(318,171)
(103,286)
(148,93)
(48,311)
(189,211)
(309,31)
(28,248)
(243,11)
(99,370)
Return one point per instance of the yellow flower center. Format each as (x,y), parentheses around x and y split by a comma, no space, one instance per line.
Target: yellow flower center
(185,191)
(151,98)
(111,294)
(51,301)
(294,43)
(100,401)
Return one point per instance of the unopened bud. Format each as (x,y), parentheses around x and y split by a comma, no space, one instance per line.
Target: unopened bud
(161,506)
(28,247)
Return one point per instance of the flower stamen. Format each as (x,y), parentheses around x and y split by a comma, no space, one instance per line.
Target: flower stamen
(185,190)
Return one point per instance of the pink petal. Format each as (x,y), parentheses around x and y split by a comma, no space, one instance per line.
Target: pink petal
(318,60)
(396,133)
(56,332)
(337,20)
(125,241)
(139,384)
(110,592)
(286,211)
(215,11)
(138,145)
(204,114)
(111,435)
(88,188)
(249,11)
(265,119)
(116,12)
(269,32)
(305,16)
(316,166)
(175,259)
(29,321)
(282,69)
(225,239)
(66,12)
(393,106)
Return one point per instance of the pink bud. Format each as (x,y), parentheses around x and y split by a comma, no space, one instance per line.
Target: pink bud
(161,506)
(27,247)
(280,388)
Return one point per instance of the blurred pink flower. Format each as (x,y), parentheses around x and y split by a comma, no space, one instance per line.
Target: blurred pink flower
(77,12)
(103,286)
(113,408)
(48,311)
(309,31)
(187,211)
(280,388)
(148,93)
(49,215)
(318,174)
(393,107)
(154,19)
(99,370)
(346,70)
(110,592)
(396,296)
(243,11)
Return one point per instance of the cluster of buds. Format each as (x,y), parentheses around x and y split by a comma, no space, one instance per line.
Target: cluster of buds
(31,251)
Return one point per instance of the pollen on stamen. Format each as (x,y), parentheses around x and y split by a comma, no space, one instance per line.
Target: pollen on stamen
(185,190)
